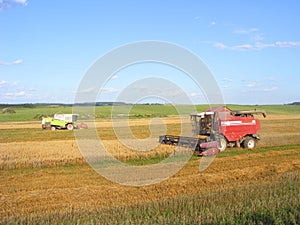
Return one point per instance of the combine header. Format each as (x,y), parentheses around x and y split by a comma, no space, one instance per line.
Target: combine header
(219,128)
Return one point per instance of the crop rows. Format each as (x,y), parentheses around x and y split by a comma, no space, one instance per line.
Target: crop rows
(45,179)
(275,202)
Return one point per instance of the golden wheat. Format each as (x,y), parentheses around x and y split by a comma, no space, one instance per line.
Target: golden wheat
(35,188)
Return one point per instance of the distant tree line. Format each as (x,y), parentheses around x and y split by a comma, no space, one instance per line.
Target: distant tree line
(294,103)
(34,105)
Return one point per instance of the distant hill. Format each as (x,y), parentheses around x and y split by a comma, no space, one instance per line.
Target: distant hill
(294,103)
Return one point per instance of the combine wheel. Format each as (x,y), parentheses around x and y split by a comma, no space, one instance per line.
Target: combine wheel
(53,128)
(223,143)
(249,143)
(70,126)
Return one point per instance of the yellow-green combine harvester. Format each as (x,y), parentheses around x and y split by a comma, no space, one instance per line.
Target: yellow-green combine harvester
(61,121)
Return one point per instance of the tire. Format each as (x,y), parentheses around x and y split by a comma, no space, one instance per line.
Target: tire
(70,126)
(53,128)
(223,143)
(249,143)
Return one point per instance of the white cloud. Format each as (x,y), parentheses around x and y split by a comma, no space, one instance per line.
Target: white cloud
(3,82)
(243,47)
(287,44)
(15,62)
(12,91)
(257,37)
(235,47)
(278,44)
(88,90)
(227,79)
(269,79)
(109,90)
(258,45)
(220,45)
(15,83)
(253,84)
(265,84)
(212,23)
(95,90)
(8,4)
(22,2)
(20,94)
(246,31)
(17,95)
(270,89)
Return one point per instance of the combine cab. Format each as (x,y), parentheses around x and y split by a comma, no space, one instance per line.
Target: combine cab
(220,128)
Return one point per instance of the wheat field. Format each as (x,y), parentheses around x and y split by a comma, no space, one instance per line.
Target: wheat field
(47,180)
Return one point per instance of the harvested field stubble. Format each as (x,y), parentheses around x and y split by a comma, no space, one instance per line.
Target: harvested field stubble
(275,130)
(39,154)
(280,130)
(79,187)
(61,153)
(36,150)
(45,179)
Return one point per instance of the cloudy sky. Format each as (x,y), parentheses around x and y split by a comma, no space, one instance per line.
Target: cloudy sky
(252,48)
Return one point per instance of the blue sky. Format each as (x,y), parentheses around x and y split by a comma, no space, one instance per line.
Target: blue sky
(251,47)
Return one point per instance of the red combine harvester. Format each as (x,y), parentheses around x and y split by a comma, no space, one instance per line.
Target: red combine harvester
(219,128)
